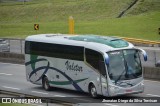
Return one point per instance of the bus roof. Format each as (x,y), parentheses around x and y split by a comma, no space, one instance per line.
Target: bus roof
(100,43)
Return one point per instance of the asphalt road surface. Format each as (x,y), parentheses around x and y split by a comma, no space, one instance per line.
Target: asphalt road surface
(12,78)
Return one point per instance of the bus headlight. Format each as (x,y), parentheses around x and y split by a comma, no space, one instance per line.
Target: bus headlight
(141,86)
(142,83)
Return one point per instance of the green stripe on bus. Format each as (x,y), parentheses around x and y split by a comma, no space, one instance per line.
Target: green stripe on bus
(66,82)
(32,58)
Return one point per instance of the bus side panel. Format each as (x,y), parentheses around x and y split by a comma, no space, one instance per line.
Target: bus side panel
(35,68)
(58,75)
(27,67)
(93,77)
(62,73)
(68,74)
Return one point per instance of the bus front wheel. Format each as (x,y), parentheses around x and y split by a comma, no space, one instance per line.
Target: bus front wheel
(45,83)
(93,91)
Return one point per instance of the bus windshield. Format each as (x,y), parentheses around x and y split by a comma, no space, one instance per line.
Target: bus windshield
(124,65)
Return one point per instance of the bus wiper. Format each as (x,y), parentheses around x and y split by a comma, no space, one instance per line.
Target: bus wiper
(119,77)
(126,69)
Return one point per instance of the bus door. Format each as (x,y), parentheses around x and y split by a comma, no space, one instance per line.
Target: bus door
(103,77)
(96,60)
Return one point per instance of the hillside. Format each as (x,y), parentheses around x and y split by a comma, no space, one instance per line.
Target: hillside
(60,10)
(91,17)
(144,7)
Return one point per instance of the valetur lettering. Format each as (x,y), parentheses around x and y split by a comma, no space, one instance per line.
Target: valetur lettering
(73,66)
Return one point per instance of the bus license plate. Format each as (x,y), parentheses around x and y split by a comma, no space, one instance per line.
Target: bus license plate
(128,90)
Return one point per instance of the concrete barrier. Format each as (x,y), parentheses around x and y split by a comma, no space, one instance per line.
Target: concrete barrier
(12,58)
(149,72)
(152,73)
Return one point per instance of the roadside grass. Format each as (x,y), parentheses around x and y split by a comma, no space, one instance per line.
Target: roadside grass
(144,26)
(91,17)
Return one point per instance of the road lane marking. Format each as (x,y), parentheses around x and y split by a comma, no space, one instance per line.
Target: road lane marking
(152,81)
(39,92)
(153,95)
(34,104)
(5,74)
(11,64)
(59,96)
(11,87)
(110,104)
(82,99)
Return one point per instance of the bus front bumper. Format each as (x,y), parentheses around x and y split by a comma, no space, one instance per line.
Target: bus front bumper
(115,90)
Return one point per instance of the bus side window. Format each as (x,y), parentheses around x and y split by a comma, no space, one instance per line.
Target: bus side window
(95,59)
(102,68)
(54,50)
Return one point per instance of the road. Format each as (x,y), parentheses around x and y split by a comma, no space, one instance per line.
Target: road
(12,78)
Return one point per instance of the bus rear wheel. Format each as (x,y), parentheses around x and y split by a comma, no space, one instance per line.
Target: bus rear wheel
(45,84)
(93,91)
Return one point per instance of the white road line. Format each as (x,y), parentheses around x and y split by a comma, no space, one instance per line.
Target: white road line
(11,64)
(39,92)
(153,95)
(34,104)
(152,81)
(5,74)
(11,87)
(110,104)
(59,96)
(82,99)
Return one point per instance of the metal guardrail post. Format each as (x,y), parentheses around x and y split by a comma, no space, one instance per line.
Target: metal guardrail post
(9,45)
(21,45)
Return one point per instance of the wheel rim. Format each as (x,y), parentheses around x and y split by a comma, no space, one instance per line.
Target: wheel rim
(93,91)
(46,85)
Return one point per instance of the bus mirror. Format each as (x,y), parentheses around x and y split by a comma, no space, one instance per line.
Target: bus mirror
(144,54)
(107,59)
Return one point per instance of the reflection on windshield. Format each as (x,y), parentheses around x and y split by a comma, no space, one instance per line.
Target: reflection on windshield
(124,65)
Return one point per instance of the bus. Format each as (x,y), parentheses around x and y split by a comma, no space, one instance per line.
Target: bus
(98,65)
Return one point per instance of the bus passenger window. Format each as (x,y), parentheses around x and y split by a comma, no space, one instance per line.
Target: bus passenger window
(95,59)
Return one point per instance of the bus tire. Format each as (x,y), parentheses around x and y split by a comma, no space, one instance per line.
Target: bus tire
(93,91)
(45,84)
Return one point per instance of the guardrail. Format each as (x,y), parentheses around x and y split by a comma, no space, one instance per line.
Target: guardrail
(141,41)
(17,47)
(138,42)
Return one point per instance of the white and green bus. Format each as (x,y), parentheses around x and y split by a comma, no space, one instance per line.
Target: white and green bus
(99,65)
